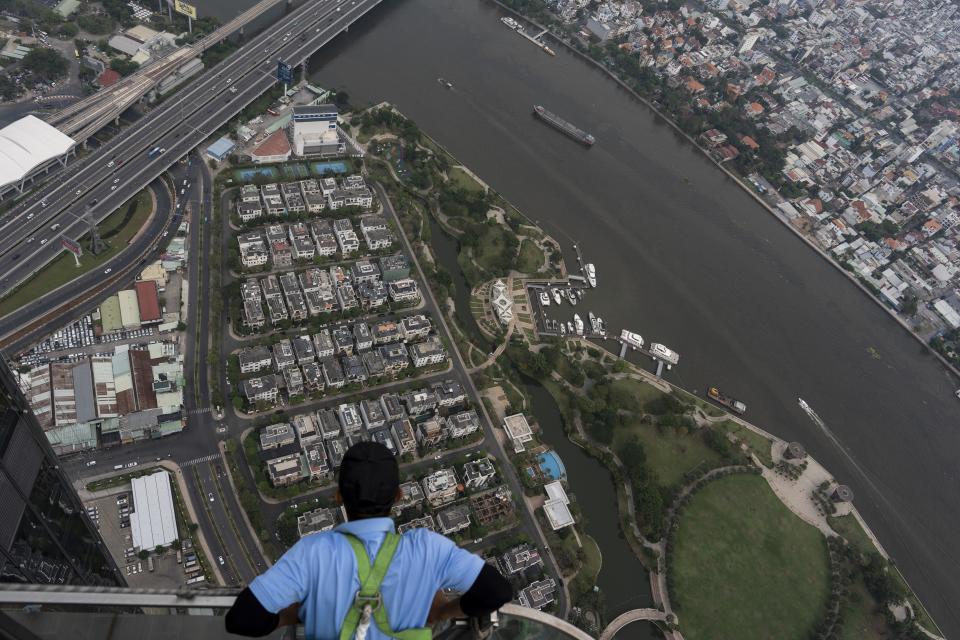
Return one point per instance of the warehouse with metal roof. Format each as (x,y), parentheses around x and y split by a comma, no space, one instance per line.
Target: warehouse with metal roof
(153,521)
(29,146)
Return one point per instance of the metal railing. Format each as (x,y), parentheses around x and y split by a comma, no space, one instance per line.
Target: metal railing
(37,612)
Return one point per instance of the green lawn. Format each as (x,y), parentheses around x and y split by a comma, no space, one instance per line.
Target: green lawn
(669,454)
(860,619)
(116,230)
(462,179)
(491,246)
(530,259)
(848,527)
(757,443)
(641,390)
(745,567)
(586,577)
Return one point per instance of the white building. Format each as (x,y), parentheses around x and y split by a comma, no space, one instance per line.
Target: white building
(518,430)
(501,302)
(153,520)
(556,507)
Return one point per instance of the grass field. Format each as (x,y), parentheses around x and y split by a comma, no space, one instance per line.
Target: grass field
(745,567)
(757,443)
(530,259)
(860,619)
(642,391)
(491,247)
(462,179)
(116,230)
(848,527)
(669,454)
(586,577)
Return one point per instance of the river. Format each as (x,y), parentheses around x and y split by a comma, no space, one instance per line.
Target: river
(685,257)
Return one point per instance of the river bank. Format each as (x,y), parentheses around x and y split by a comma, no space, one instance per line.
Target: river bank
(748,189)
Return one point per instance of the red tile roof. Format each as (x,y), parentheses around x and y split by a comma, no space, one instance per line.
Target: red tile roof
(108,77)
(148,301)
(277,144)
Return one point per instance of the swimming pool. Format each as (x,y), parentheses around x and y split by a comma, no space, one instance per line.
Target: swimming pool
(552,466)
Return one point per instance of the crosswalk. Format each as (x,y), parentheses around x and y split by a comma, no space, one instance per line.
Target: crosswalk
(199,411)
(200,460)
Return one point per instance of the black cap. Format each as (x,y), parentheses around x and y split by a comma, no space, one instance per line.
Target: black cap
(369,479)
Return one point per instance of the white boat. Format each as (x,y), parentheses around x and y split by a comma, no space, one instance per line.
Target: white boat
(556,295)
(803,404)
(601,327)
(578,324)
(510,22)
(593,322)
(661,352)
(563,329)
(591,274)
(544,299)
(572,297)
(632,339)
(569,327)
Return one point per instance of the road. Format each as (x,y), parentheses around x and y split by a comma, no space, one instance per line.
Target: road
(109,176)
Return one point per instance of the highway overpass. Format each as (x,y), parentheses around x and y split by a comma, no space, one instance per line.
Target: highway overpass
(111,175)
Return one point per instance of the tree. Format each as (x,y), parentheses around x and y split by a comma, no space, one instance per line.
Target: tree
(143,554)
(159,550)
(46,64)
(123,66)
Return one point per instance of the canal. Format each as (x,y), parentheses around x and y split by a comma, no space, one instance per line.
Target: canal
(686,258)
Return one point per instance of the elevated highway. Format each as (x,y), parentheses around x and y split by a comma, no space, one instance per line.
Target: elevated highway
(30,234)
(86,117)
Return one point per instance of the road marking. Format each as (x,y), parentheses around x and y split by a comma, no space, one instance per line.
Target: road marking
(209,458)
(194,412)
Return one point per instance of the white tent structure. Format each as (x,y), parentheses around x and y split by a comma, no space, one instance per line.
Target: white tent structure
(153,521)
(28,146)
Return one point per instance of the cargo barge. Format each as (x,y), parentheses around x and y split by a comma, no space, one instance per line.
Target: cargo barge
(730,403)
(563,126)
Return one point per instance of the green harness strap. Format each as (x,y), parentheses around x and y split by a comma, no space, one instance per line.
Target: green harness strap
(369,593)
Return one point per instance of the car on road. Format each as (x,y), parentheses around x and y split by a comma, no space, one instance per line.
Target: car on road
(131,465)
(437,457)
(110,164)
(116,180)
(30,239)
(113,188)
(220,560)
(43,241)
(210,495)
(221,429)
(79,191)
(91,463)
(43,203)
(54,227)
(107,270)
(29,216)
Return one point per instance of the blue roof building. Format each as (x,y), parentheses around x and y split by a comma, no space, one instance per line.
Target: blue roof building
(220,149)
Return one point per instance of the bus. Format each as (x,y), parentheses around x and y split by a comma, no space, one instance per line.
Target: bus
(197,580)
(150,563)
(154,152)
(179,557)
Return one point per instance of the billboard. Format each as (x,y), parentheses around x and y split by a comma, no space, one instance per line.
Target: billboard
(184,8)
(72,246)
(284,72)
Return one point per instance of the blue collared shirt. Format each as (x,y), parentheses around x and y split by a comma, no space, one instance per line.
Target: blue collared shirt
(320,572)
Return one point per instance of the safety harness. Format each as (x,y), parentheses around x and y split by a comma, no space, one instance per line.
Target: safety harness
(368,603)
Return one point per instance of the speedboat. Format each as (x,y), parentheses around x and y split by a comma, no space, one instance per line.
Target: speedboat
(569,327)
(556,295)
(803,404)
(544,299)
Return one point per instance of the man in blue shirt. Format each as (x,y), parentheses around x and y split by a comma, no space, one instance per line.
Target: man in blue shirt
(317,581)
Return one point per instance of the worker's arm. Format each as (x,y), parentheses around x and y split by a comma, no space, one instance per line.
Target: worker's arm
(247,617)
(489,592)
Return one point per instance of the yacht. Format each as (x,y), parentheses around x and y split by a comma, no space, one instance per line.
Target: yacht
(563,329)
(593,322)
(544,299)
(591,274)
(578,323)
(601,327)
(632,339)
(556,295)
(569,327)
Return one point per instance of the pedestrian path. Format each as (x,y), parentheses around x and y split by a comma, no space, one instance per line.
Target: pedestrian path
(200,460)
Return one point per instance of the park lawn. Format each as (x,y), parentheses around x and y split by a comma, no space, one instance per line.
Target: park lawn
(463,180)
(860,618)
(848,527)
(491,247)
(116,230)
(670,454)
(745,567)
(642,391)
(530,259)
(757,443)
(586,576)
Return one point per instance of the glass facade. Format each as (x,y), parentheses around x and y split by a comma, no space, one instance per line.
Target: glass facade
(45,534)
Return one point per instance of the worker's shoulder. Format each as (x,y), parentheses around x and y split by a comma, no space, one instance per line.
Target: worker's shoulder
(320,540)
(425,537)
